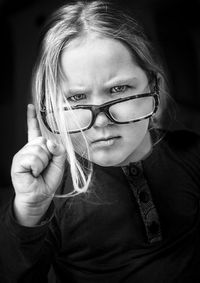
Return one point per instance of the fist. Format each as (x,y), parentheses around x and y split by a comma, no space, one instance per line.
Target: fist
(37,169)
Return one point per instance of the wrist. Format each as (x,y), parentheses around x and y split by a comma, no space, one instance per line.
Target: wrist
(29,214)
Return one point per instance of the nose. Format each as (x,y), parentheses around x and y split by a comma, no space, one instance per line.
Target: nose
(101,120)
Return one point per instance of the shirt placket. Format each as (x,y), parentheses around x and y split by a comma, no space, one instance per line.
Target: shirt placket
(143,196)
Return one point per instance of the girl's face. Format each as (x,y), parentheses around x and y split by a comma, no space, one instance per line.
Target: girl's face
(98,70)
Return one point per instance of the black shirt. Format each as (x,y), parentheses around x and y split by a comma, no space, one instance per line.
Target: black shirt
(138,223)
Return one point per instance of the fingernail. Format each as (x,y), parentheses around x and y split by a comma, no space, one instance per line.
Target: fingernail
(30,106)
(54,145)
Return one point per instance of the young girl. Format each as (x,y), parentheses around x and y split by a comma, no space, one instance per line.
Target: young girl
(101,194)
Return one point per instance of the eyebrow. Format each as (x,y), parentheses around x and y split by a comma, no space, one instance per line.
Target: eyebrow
(120,81)
(76,90)
(107,85)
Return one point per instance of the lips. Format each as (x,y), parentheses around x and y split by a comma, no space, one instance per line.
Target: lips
(105,139)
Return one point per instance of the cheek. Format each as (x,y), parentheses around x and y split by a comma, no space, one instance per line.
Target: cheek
(79,143)
(135,132)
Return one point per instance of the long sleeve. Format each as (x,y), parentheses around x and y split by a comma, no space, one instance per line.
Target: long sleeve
(27,253)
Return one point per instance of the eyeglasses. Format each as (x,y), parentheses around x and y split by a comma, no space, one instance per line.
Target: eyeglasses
(119,111)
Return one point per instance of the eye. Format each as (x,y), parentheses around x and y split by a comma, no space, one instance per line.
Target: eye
(119,88)
(76,97)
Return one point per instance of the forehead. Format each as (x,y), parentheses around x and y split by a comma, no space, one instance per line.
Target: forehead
(99,58)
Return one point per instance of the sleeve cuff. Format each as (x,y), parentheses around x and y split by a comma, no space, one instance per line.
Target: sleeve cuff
(28,233)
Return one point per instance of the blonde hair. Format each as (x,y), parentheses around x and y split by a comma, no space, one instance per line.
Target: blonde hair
(66,24)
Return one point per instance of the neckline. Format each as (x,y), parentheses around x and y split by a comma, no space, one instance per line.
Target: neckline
(157,135)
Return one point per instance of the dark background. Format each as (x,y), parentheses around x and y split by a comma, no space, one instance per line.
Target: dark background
(173,25)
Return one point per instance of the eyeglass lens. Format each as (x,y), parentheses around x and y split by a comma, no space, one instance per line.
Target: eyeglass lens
(132,109)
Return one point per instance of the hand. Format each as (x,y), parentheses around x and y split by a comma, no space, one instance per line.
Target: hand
(36,172)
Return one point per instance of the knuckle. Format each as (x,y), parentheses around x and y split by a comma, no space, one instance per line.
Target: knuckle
(33,159)
(15,157)
(38,149)
(41,140)
(38,141)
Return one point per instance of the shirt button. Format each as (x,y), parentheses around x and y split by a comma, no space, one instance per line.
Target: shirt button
(153,227)
(144,196)
(134,171)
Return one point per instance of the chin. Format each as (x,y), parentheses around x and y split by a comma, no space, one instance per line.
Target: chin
(106,160)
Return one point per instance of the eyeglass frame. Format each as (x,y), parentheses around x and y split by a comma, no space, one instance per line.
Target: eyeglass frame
(104,108)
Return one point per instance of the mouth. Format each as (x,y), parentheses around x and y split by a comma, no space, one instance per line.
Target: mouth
(105,141)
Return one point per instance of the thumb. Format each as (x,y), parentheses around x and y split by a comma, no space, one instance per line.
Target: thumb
(58,153)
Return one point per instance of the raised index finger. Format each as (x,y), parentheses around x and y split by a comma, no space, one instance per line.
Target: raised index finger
(32,123)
